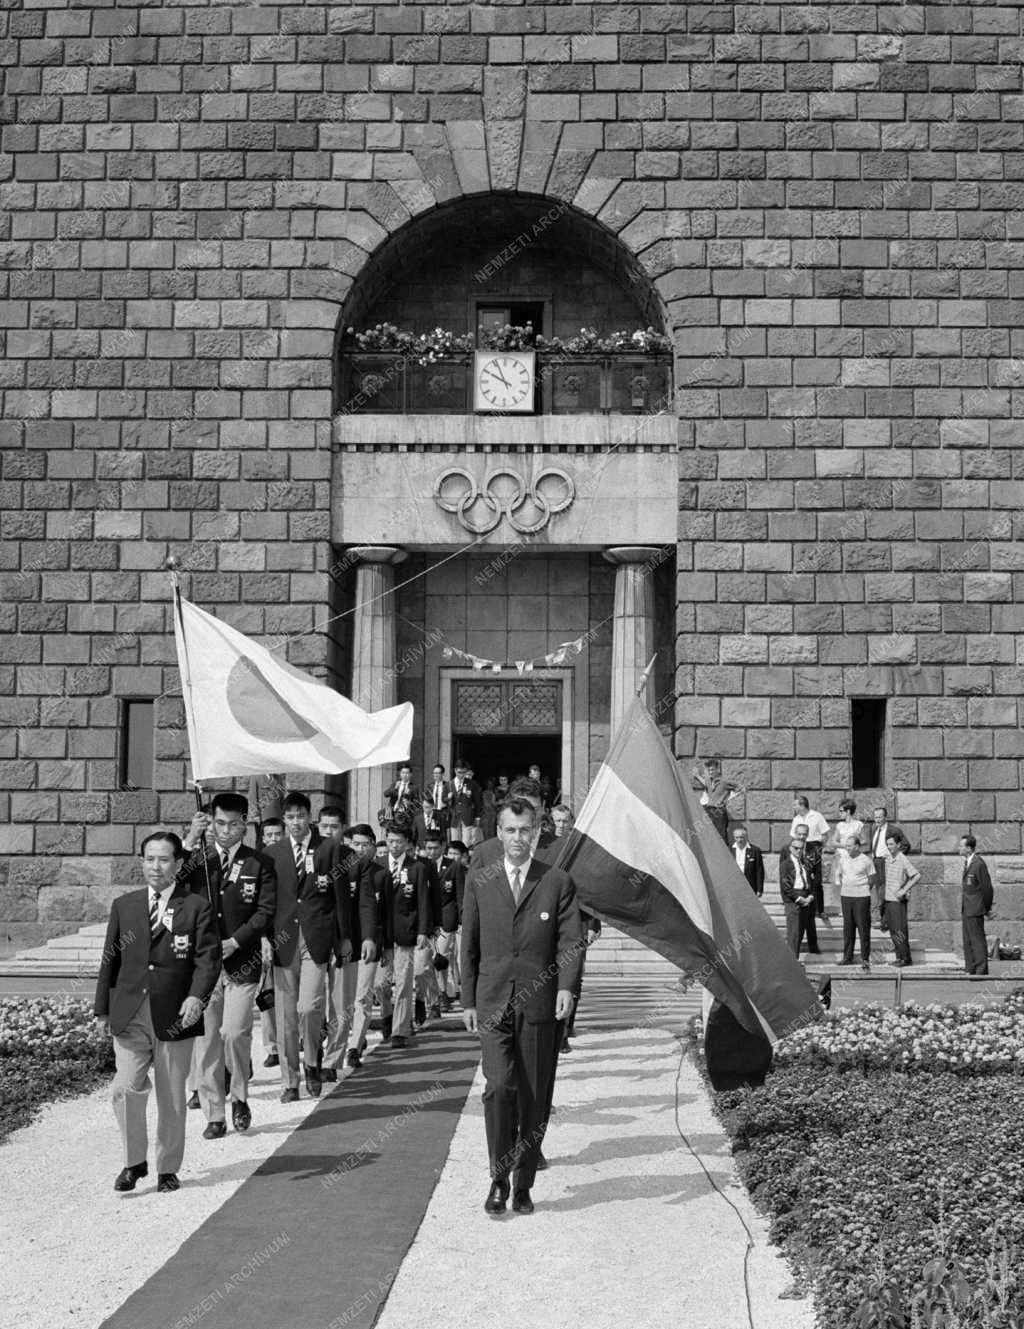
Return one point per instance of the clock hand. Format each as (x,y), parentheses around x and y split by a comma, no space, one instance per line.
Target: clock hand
(502,378)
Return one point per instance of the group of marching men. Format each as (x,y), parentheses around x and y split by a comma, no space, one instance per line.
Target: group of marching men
(338,918)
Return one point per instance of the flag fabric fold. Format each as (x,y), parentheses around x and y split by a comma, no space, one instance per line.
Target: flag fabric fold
(646,859)
(248,712)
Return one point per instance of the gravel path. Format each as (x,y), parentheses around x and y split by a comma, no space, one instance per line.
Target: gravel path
(627,1231)
(72,1248)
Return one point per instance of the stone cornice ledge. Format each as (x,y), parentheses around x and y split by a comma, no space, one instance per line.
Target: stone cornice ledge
(506,433)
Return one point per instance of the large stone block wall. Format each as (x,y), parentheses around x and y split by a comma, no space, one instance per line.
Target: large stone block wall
(827,200)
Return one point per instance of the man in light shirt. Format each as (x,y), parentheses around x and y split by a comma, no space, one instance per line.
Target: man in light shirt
(855,876)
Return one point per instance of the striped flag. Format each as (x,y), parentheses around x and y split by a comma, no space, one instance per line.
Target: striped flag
(646,859)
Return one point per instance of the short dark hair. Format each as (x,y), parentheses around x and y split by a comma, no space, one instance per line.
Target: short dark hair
(518,806)
(332,810)
(271,821)
(398,827)
(881,809)
(969,841)
(361,828)
(229,802)
(295,799)
(438,766)
(802,799)
(457,844)
(523,787)
(173,840)
(847,805)
(433,837)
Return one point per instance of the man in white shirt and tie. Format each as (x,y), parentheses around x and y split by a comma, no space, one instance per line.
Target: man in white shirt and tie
(441,797)
(817,834)
(797,896)
(880,830)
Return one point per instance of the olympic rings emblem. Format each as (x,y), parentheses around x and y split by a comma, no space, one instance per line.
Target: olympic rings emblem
(504,493)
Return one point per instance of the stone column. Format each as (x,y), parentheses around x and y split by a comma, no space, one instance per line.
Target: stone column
(632,625)
(374,683)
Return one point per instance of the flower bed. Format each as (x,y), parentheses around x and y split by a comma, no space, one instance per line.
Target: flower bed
(886,1147)
(50,1048)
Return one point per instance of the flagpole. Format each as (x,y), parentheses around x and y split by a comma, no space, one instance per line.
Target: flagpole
(172,565)
(646,675)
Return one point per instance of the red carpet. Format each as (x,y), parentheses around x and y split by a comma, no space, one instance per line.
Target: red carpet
(315,1237)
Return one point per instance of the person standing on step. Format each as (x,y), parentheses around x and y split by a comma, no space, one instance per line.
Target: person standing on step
(975,905)
(797,897)
(855,877)
(717,793)
(467,805)
(749,860)
(900,878)
(160,963)
(817,834)
(241,886)
(880,830)
(521,948)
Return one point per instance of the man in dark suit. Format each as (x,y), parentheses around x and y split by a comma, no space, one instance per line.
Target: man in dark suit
(160,963)
(975,905)
(880,830)
(452,880)
(439,791)
(521,946)
(467,805)
(311,899)
(798,897)
(343,968)
(749,859)
(240,884)
(406,922)
(402,799)
(373,976)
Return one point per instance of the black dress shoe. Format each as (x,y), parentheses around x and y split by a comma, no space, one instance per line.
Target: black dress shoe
(215,1130)
(542,1163)
(168,1181)
(313,1082)
(290,1095)
(272,1059)
(193,1102)
(521,1202)
(329,1075)
(353,1059)
(497,1198)
(399,1041)
(241,1116)
(128,1176)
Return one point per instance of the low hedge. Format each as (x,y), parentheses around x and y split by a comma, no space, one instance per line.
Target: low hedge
(50,1048)
(894,1178)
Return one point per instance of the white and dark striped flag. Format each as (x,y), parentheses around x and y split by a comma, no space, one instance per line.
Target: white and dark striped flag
(646,859)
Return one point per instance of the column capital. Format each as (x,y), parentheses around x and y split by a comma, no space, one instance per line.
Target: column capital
(388,554)
(620,554)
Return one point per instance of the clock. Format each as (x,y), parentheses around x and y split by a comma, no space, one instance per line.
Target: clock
(504,381)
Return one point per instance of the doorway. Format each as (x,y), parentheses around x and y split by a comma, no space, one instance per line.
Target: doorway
(491,755)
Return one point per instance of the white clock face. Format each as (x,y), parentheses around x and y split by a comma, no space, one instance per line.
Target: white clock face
(504,382)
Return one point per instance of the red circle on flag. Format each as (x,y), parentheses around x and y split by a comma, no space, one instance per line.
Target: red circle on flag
(260,710)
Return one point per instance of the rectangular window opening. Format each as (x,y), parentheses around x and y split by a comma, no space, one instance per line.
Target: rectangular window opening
(137,744)
(867,725)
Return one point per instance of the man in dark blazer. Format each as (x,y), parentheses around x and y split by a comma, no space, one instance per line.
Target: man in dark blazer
(312,904)
(467,805)
(406,923)
(343,972)
(402,799)
(749,859)
(439,791)
(160,963)
(521,948)
(373,975)
(797,893)
(975,904)
(241,886)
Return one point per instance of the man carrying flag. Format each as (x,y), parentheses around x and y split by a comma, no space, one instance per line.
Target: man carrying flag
(647,861)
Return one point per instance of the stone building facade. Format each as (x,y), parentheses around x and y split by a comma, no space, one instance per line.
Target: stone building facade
(814,508)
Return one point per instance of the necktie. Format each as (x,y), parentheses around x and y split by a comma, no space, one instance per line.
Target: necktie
(154,915)
(877,850)
(223,855)
(300,866)
(516,884)
(437,797)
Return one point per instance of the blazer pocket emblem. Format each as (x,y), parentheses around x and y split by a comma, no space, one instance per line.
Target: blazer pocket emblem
(407,890)
(248,892)
(180,945)
(321,883)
